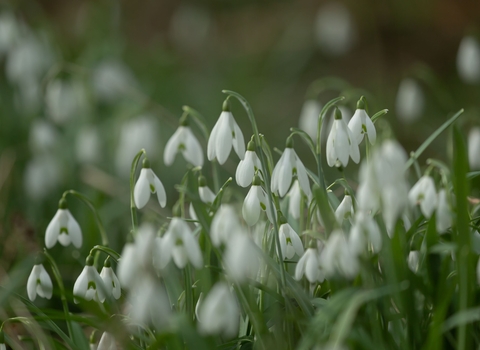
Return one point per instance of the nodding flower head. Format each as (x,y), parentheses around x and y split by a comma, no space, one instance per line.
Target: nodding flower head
(148,183)
(63,228)
(89,285)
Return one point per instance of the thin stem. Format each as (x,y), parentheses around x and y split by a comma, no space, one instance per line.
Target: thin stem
(110,252)
(133,208)
(188,292)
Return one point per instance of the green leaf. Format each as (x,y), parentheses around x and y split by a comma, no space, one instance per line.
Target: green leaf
(379,114)
(326,212)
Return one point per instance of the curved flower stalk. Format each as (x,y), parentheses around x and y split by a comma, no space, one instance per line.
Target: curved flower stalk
(247,166)
(288,166)
(344,209)
(225,225)
(341,143)
(423,193)
(337,257)
(255,202)
(309,265)
(290,242)
(148,183)
(180,244)
(218,313)
(110,280)
(225,134)
(89,285)
(361,124)
(184,141)
(39,283)
(63,228)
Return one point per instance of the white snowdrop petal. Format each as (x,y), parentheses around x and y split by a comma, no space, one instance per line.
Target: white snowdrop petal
(74,231)
(141,192)
(171,148)
(238,140)
(53,230)
(46,283)
(355,125)
(161,195)
(81,284)
(193,152)
(211,145)
(223,142)
(372,133)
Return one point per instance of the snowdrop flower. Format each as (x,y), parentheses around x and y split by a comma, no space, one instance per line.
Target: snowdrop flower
(43,136)
(241,258)
(225,224)
(309,116)
(410,100)
(255,202)
(413,260)
(148,183)
(107,342)
(290,242)
(183,140)
(248,166)
(364,230)
(180,244)
(64,100)
(63,228)
(219,312)
(341,144)
(444,216)
(225,134)
(88,147)
(110,280)
(39,282)
(474,148)
(112,80)
(89,285)
(361,124)
(468,60)
(206,194)
(295,198)
(423,193)
(289,165)
(344,209)
(309,265)
(42,176)
(338,258)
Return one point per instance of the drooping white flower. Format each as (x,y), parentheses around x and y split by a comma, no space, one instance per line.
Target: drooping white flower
(474,148)
(344,209)
(294,201)
(219,312)
(423,193)
(206,194)
(110,280)
(410,100)
(255,202)
(444,214)
(148,183)
(290,242)
(107,342)
(309,116)
(361,124)
(241,258)
(468,60)
(39,283)
(337,257)
(247,166)
(309,265)
(413,260)
(225,225)
(364,230)
(180,244)
(289,165)
(341,143)
(63,228)
(89,285)
(183,140)
(225,134)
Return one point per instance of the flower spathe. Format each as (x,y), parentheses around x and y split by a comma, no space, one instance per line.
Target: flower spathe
(183,140)
(361,124)
(39,283)
(341,143)
(89,285)
(290,242)
(225,134)
(148,183)
(423,193)
(63,228)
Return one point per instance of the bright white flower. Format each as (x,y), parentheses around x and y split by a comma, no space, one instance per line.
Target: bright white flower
(474,148)
(254,203)
(423,193)
(361,124)
(364,230)
(107,342)
(444,216)
(219,312)
(344,209)
(337,257)
(290,242)
(225,224)
(63,228)
(180,244)
(39,282)
(89,285)
(110,280)
(309,265)
(241,258)
(295,198)
(246,167)
(413,260)
(410,100)
(148,183)
(289,165)
(468,60)
(225,134)
(341,143)
(183,140)
(206,194)
(309,115)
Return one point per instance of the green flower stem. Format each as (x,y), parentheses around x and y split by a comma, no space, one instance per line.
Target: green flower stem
(266,179)
(110,252)
(90,205)
(198,119)
(133,208)
(63,296)
(188,292)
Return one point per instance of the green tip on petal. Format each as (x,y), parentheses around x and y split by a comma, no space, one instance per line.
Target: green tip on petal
(338,114)
(146,163)
(89,261)
(62,204)
(226,106)
(289,143)
(202,181)
(251,146)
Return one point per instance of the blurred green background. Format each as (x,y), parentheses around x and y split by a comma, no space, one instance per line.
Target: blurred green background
(85,84)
